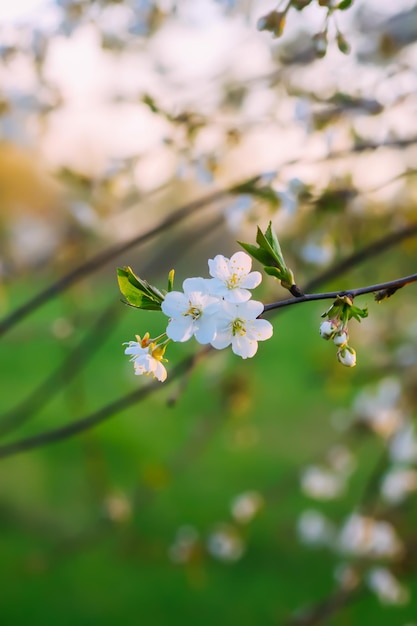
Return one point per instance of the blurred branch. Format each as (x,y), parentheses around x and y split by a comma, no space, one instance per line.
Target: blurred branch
(64,373)
(122,403)
(93,419)
(324,610)
(111,253)
(377,247)
(86,348)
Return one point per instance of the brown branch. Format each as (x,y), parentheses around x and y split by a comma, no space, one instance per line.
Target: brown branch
(323,611)
(390,287)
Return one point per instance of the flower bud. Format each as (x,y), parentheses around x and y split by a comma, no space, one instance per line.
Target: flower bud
(342,43)
(320,44)
(347,356)
(273,22)
(299,5)
(340,338)
(328,328)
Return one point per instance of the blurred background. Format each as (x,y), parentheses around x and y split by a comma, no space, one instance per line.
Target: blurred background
(157,134)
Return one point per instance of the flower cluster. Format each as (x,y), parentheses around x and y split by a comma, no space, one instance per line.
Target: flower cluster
(216,311)
(335,327)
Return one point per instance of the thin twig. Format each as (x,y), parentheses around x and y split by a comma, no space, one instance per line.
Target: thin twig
(352,293)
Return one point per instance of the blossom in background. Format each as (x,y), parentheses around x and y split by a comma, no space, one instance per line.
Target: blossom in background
(398,483)
(146,358)
(192,312)
(322,484)
(384,584)
(233,277)
(315,529)
(225,543)
(237,324)
(366,536)
(246,505)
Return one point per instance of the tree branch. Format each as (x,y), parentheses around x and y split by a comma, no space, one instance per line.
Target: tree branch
(388,287)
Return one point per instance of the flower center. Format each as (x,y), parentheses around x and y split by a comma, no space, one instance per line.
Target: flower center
(194,312)
(233,281)
(238,327)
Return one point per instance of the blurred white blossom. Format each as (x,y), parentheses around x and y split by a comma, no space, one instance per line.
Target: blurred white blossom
(314,528)
(378,407)
(185,544)
(403,445)
(246,505)
(384,584)
(365,536)
(226,544)
(398,483)
(321,483)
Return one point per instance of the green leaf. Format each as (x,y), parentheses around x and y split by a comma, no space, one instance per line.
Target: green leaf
(138,293)
(276,272)
(257,253)
(273,240)
(358,313)
(344,4)
(171,280)
(270,255)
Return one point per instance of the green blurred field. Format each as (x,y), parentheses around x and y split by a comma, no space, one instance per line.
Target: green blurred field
(174,460)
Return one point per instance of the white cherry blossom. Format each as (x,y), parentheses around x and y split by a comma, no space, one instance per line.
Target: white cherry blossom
(192,312)
(237,324)
(233,277)
(147,359)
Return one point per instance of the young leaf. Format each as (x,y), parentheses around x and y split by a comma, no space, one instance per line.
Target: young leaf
(171,280)
(138,293)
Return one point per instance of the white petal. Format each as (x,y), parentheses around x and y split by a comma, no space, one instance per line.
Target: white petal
(219,267)
(259,330)
(237,295)
(205,329)
(244,347)
(252,280)
(180,329)
(160,372)
(241,263)
(175,304)
(250,310)
(222,340)
(198,285)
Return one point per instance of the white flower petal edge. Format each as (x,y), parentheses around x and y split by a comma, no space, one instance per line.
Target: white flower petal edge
(149,365)
(192,312)
(232,278)
(237,324)
(144,362)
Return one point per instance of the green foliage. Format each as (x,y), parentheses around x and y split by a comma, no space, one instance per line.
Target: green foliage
(138,292)
(344,309)
(269,253)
